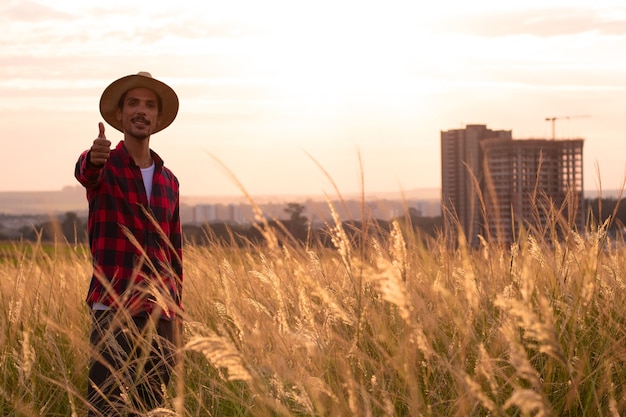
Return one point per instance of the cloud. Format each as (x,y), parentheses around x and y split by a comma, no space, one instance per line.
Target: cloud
(541,23)
(192,34)
(29,11)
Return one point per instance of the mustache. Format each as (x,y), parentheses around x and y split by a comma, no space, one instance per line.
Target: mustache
(140,119)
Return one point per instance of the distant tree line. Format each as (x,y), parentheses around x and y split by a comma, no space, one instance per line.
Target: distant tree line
(70,228)
(296,227)
(611,209)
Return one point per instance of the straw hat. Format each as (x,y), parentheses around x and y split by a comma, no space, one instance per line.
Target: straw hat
(112,94)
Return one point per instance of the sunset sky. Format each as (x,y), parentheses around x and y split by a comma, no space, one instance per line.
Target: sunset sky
(273,88)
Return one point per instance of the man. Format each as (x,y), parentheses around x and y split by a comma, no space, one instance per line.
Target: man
(135,238)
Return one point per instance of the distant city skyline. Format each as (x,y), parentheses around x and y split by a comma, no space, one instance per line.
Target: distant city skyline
(300,98)
(28,209)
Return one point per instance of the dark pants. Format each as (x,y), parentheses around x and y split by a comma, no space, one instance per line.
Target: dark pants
(132,361)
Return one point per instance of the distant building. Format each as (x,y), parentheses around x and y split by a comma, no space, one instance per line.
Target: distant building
(204,213)
(428,208)
(491,183)
(230,213)
(461,172)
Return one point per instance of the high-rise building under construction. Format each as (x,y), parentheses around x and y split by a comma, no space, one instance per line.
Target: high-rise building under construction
(493,184)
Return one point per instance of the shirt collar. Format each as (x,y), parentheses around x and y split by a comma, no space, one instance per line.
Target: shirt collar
(126,158)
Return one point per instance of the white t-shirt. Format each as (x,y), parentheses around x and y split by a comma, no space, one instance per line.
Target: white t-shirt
(147,174)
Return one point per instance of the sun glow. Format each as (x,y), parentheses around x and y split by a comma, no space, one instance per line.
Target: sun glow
(325,76)
(311,56)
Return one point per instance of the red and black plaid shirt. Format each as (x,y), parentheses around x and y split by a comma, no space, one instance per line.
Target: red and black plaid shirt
(136,246)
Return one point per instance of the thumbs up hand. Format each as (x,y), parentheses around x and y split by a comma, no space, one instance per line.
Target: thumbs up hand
(99,152)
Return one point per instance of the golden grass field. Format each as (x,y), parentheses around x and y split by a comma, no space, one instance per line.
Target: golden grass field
(389,326)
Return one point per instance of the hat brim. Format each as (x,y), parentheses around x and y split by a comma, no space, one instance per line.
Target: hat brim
(112,94)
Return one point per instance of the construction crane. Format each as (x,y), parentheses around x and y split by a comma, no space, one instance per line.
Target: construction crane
(555,118)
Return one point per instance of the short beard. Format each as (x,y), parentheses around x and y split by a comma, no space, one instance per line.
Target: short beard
(138,134)
(141,136)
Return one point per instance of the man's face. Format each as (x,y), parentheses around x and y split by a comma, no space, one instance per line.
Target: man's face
(139,114)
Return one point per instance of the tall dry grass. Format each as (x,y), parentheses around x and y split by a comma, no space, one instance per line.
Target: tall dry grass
(389,325)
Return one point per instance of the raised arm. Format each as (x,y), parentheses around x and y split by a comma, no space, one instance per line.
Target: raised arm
(90,163)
